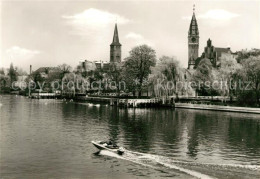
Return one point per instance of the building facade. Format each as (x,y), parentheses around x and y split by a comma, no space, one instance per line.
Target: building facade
(214,54)
(91,66)
(193,41)
(115,48)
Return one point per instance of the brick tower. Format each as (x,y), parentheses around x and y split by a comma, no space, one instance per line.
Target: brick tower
(115,48)
(193,41)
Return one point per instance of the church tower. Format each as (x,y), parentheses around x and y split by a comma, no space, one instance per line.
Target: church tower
(193,41)
(115,48)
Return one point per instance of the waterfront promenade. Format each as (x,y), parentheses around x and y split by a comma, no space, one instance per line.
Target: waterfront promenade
(218,108)
(157,102)
(154,102)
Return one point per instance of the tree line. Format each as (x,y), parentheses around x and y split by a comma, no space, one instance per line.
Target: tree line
(239,77)
(144,74)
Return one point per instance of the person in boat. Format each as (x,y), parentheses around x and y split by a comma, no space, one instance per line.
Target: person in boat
(109,144)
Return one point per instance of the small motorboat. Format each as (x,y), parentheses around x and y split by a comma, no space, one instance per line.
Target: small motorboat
(108,146)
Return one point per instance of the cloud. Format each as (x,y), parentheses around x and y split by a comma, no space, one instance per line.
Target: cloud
(133,35)
(215,14)
(138,39)
(218,14)
(18,53)
(93,19)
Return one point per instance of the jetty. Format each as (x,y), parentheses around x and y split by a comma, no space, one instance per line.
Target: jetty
(130,102)
(44,95)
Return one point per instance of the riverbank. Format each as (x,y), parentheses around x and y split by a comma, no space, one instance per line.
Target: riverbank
(158,103)
(148,103)
(218,108)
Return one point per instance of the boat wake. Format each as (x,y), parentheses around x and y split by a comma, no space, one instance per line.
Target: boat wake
(198,170)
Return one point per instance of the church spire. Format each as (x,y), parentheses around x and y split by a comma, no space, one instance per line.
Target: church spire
(193,30)
(193,41)
(116,37)
(115,48)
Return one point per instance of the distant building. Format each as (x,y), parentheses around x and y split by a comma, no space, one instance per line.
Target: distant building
(214,54)
(90,66)
(86,66)
(193,41)
(115,48)
(103,66)
(115,57)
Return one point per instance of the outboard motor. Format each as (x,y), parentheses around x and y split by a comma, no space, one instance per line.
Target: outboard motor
(121,150)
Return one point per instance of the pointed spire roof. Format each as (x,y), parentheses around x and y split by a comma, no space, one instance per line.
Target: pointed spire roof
(193,30)
(116,37)
(209,43)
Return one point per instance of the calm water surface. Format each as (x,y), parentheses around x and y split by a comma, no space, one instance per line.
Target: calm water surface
(51,139)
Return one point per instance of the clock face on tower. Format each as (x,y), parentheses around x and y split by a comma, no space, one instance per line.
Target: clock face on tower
(193,39)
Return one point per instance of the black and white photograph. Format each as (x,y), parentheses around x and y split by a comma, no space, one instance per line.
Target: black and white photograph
(129,89)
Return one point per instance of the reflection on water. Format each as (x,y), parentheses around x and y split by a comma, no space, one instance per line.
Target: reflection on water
(51,139)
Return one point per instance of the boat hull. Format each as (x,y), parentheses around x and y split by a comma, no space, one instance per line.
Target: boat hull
(102,147)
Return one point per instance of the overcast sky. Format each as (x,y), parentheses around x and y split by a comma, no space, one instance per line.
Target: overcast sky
(46,33)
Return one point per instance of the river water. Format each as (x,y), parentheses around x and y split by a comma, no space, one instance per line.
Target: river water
(52,139)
